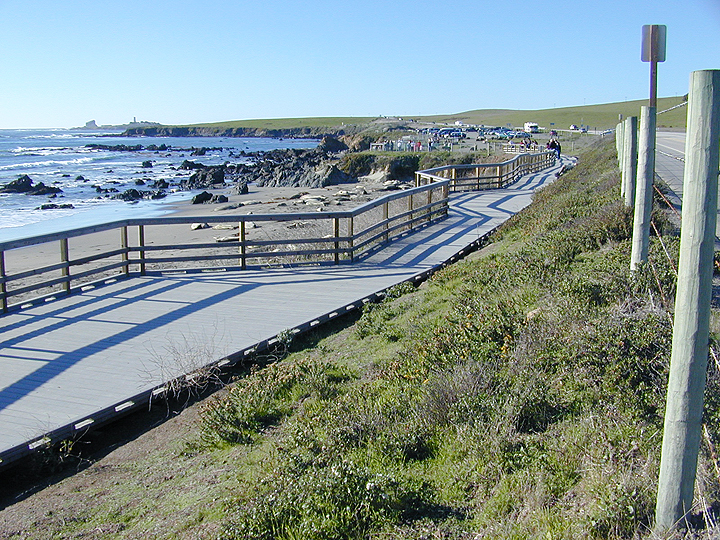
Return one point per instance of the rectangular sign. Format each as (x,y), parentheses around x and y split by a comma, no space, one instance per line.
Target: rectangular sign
(653,42)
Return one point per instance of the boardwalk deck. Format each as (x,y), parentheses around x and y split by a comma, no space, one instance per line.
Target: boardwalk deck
(83,359)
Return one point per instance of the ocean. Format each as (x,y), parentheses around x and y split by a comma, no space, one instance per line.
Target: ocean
(63,159)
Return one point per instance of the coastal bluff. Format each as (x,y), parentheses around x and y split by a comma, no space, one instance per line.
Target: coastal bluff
(305,132)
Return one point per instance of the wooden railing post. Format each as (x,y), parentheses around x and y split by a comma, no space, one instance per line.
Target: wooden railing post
(124,255)
(336,235)
(351,236)
(141,248)
(386,215)
(65,260)
(410,209)
(429,202)
(243,251)
(3,283)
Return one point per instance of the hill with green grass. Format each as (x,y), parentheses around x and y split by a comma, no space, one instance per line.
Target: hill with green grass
(604,116)
(601,117)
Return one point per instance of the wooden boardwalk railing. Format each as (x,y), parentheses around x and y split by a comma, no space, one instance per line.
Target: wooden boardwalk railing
(129,247)
(486,175)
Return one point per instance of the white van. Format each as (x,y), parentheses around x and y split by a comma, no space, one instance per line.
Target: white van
(531,127)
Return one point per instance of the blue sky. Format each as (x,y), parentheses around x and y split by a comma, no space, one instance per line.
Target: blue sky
(64,63)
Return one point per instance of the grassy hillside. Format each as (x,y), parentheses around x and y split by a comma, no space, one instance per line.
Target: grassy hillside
(601,116)
(517,394)
(288,123)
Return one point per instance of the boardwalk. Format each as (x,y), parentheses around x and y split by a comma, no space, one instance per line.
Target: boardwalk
(83,359)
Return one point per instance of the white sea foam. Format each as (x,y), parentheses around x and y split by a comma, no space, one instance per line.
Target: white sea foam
(48,163)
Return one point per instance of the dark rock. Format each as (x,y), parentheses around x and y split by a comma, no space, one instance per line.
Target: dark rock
(219,199)
(53,206)
(147,164)
(156,148)
(116,147)
(80,178)
(205,178)
(24,184)
(160,184)
(139,182)
(130,195)
(241,188)
(201,198)
(188,165)
(332,145)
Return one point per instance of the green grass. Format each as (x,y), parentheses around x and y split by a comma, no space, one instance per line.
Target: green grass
(288,123)
(601,116)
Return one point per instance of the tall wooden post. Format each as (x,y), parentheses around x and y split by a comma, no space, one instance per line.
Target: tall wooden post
(644,194)
(385,216)
(3,283)
(243,245)
(125,250)
(683,414)
(629,171)
(620,145)
(65,259)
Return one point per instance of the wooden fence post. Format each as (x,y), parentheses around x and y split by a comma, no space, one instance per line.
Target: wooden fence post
(141,248)
(386,215)
(690,346)
(65,259)
(351,236)
(630,160)
(124,255)
(243,249)
(644,194)
(3,284)
(336,235)
(410,209)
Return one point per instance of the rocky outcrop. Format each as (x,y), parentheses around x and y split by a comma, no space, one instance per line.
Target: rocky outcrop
(25,184)
(131,195)
(205,197)
(213,131)
(299,168)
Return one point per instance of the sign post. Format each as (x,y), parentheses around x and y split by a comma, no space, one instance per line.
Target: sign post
(653,51)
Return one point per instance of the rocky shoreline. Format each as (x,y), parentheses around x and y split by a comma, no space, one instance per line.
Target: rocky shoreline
(332,162)
(276,133)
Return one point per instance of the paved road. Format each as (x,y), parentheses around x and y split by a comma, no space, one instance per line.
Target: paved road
(84,358)
(670,165)
(669,159)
